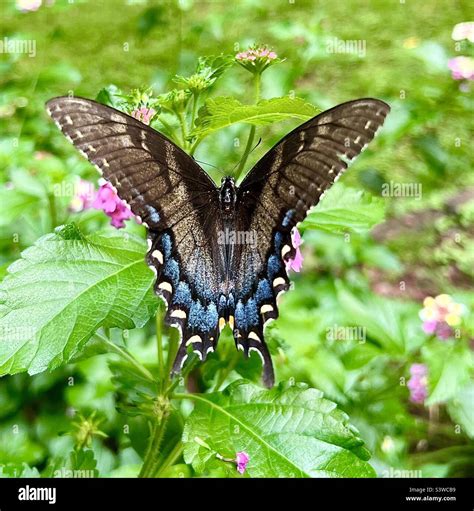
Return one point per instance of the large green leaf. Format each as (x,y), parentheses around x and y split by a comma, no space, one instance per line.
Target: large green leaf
(14,204)
(346,209)
(63,289)
(382,319)
(461,409)
(221,112)
(449,364)
(288,431)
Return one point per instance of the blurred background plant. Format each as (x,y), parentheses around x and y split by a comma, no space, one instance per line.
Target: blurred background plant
(380,318)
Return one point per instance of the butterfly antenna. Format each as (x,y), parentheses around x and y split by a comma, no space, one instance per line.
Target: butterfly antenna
(211,165)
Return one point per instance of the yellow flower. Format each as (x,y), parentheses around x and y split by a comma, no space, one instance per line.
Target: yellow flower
(452,319)
(443,300)
(456,308)
(428,302)
(411,42)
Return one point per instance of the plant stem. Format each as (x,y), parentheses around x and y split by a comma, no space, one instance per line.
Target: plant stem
(153,449)
(174,454)
(184,135)
(172,351)
(225,372)
(194,146)
(52,210)
(189,367)
(249,145)
(159,343)
(193,113)
(191,126)
(114,348)
(166,125)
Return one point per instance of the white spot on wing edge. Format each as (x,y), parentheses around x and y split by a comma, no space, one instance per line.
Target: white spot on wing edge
(254,336)
(279,281)
(193,339)
(178,313)
(252,348)
(157,255)
(266,308)
(166,286)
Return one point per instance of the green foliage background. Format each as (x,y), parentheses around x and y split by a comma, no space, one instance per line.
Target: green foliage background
(93,413)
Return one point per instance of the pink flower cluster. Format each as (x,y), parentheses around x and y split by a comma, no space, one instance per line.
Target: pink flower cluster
(295,263)
(462,68)
(108,201)
(144,114)
(440,314)
(253,54)
(418,383)
(83,197)
(105,198)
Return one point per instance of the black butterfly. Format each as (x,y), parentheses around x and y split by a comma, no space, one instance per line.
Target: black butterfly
(219,254)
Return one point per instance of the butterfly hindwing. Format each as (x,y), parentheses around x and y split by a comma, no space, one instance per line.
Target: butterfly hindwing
(277,194)
(174,198)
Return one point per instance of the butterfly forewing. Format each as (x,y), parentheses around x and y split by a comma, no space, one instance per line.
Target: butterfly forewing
(174,198)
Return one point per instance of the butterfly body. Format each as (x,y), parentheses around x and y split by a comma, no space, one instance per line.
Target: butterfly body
(220,254)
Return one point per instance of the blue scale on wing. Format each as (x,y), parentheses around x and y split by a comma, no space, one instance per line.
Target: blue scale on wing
(274,266)
(171,270)
(264,291)
(182,295)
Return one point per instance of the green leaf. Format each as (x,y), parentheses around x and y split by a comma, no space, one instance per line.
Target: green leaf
(16,470)
(14,204)
(288,431)
(111,96)
(63,289)
(77,464)
(221,112)
(448,370)
(461,409)
(17,446)
(380,318)
(346,209)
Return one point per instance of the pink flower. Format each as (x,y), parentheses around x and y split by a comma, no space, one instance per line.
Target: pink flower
(84,195)
(241,460)
(295,263)
(462,68)
(429,327)
(108,201)
(144,114)
(253,54)
(463,31)
(256,58)
(418,383)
